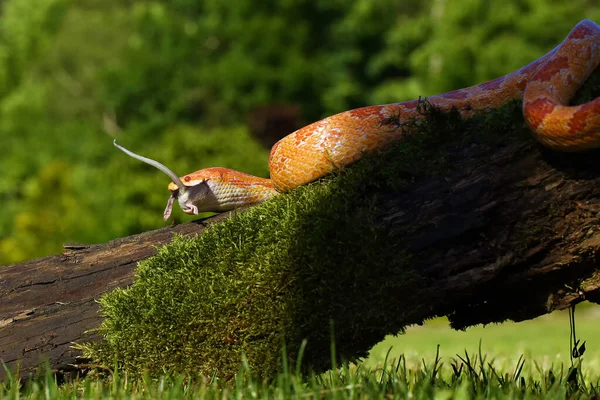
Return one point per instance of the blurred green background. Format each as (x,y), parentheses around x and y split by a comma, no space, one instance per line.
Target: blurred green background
(179,80)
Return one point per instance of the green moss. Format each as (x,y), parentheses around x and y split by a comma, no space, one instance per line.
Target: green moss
(301,266)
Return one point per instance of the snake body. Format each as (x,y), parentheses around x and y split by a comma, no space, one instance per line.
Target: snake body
(545,86)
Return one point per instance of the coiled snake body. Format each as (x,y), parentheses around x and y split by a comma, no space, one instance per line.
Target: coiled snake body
(545,86)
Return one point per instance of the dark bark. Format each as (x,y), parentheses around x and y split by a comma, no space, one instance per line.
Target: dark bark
(511,232)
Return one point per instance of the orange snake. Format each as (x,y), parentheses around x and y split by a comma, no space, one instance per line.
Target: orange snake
(545,86)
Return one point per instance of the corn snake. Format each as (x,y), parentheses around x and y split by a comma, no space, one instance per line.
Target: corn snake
(545,86)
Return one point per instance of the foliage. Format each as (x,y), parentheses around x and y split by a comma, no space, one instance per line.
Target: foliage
(71,71)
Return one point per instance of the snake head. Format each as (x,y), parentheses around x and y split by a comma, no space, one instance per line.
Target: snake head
(210,189)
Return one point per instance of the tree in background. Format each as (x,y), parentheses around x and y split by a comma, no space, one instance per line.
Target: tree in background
(174,80)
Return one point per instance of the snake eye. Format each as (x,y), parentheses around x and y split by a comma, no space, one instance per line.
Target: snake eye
(187,178)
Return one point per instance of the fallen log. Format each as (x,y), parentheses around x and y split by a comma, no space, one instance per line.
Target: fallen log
(510,232)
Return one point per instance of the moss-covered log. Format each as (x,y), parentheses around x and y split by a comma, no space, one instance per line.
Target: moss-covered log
(472,220)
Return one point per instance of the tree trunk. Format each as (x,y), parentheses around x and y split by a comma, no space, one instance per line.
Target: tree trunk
(512,232)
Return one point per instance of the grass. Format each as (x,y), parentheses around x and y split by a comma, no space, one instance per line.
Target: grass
(393,381)
(409,369)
